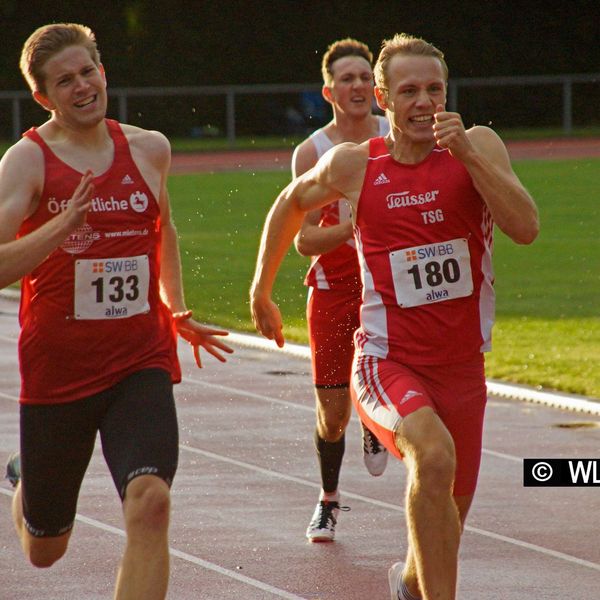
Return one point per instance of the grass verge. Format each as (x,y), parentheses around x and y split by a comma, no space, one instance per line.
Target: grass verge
(548,324)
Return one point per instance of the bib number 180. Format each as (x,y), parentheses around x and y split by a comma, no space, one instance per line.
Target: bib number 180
(436,273)
(432,273)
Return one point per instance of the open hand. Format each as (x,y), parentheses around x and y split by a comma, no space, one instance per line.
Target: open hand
(199,335)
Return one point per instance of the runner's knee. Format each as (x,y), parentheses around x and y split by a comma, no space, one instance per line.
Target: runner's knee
(334,408)
(435,468)
(147,504)
(44,552)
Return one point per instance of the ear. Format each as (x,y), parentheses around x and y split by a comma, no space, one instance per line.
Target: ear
(102,72)
(43,100)
(381,96)
(326,93)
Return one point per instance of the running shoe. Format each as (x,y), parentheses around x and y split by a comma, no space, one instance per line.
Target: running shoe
(398,589)
(13,469)
(323,522)
(375,454)
(395,581)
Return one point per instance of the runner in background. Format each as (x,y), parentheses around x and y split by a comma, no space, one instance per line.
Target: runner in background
(333,278)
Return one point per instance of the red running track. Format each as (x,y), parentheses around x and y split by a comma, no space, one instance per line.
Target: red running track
(247,484)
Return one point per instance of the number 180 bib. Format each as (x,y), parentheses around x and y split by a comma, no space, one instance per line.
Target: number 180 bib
(111,288)
(432,273)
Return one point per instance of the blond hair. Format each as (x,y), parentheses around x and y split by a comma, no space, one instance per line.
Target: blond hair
(47,41)
(405,45)
(340,49)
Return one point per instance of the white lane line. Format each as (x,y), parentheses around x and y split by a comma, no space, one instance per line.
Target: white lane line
(495,388)
(389,506)
(289,404)
(265,587)
(247,394)
(373,501)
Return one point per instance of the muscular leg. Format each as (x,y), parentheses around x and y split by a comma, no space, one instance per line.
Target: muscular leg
(333,409)
(41,552)
(432,515)
(144,570)
(409,576)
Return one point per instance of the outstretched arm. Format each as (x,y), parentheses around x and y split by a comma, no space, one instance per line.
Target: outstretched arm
(171,282)
(339,172)
(484,155)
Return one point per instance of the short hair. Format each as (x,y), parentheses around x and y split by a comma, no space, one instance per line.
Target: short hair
(47,41)
(405,45)
(340,49)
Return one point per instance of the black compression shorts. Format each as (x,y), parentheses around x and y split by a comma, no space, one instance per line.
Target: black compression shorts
(137,422)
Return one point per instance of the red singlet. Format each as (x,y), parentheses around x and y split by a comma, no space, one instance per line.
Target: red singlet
(424,239)
(91,313)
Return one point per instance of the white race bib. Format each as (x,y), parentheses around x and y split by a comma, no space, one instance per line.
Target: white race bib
(432,273)
(111,288)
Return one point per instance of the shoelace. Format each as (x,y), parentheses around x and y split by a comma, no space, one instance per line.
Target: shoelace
(371,444)
(326,514)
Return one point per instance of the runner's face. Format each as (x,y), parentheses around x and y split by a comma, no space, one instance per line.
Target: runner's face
(352,87)
(416,86)
(75,88)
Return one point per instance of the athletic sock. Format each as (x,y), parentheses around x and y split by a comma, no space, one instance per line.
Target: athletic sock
(330,456)
(405,594)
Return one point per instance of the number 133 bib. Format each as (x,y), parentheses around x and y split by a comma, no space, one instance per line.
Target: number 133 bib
(111,288)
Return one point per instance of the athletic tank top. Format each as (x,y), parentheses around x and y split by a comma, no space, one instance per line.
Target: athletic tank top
(424,238)
(91,313)
(339,268)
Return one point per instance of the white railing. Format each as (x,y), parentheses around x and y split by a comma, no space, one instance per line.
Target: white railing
(230,93)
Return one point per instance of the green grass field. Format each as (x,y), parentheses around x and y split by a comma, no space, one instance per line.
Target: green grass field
(548,318)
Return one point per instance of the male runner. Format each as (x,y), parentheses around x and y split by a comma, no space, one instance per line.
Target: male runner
(334,276)
(101,303)
(424,201)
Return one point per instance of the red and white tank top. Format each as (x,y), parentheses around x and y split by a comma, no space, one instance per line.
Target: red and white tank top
(424,238)
(91,313)
(339,268)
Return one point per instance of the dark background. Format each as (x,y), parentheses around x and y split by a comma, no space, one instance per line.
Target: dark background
(184,43)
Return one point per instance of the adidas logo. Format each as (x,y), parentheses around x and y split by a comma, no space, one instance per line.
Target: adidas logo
(381,180)
(126,180)
(410,394)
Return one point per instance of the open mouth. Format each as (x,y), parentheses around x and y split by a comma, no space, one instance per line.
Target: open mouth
(86,102)
(422,119)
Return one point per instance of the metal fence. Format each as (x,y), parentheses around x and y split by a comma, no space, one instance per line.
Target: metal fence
(228,111)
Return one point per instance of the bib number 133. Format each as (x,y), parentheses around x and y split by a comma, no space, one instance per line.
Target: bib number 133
(432,273)
(111,288)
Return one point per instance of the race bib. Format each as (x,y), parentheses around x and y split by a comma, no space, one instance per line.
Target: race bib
(111,288)
(432,273)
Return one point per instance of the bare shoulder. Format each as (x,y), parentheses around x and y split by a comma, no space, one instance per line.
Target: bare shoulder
(487,142)
(23,152)
(347,157)
(21,183)
(343,167)
(148,145)
(23,161)
(484,137)
(304,157)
